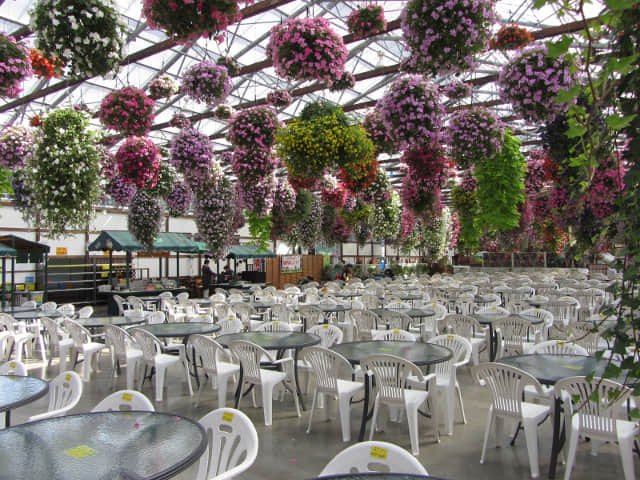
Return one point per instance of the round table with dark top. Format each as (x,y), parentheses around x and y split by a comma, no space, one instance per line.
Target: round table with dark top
(99,322)
(33,314)
(181,329)
(279,341)
(489,318)
(326,309)
(418,353)
(114,445)
(412,312)
(378,476)
(548,369)
(17,390)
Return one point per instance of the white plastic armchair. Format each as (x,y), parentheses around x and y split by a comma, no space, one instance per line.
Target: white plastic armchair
(123,401)
(64,393)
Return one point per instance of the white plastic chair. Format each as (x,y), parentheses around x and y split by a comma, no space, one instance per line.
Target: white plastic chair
(250,355)
(373,457)
(365,322)
(64,393)
(395,335)
(515,336)
(85,312)
(232,445)
(13,367)
(216,363)
(50,307)
(276,326)
(153,357)
(506,385)
(82,344)
(182,296)
(68,309)
(597,420)
(59,340)
(469,328)
(124,350)
(14,334)
(391,376)
(328,365)
(310,315)
(124,401)
(230,325)
(330,335)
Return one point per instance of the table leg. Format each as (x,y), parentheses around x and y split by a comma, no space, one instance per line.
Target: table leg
(295,374)
(7,418)
(492,350)
(557,441)
(365,408)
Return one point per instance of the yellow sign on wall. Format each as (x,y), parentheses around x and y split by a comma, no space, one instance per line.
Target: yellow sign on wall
(61,250)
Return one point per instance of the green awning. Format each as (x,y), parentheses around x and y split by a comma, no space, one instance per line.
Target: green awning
(249,251)
(7,251)
(202,247)
(27,251)
(115,241)
(174,242)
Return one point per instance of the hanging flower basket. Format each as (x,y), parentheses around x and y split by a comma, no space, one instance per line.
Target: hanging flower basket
(186,21)
(17,145)
(253,164)
(420,195)
(180,120)
(231,64)
(167,179)
(302,183)
(254,128)
(279,98)
(511,37)
(120,190)
(366,21)
(224,112)
(15,66)
(473,135)
(333,193)
(128,111)
(44,67)
(179,200)
(206,82)
(144,218)
(385,218)
(192,155)
(214,214)
(378,133)
(162,87)
(532,80)
(358,176)
(137,160)
(411,112)
(443,36)
(379,191)
(257,196)
(344,82)
(307,49)
(87,35)
(23,198)
(428,163)
(308,229)
(456,90)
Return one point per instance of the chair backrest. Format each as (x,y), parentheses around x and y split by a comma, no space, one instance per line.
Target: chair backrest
(230,325)
(124,401)
(148,343)
(439,309)
(329,334)
(463,325)
(207,349)
(49,307)
(364,321)
(249,355)
(235,297)
(118,338)
(494,310)
(327,366)
(587,336)
(460,346)
(29,304)
(218,297)
(13,367)
(310,315)
(243,311)
(370,300)
(64,391)
(512,333)
(391,374)
(156,317)
(85,312)
(53,329)
(276,326)
(165,295)
(395,335)
(232,445)
(558,347)
(220,309)
(182,296)
(281,312)
(79,334)
(373,457)
(506,385)
(67,309)
(396,320)
(596,403)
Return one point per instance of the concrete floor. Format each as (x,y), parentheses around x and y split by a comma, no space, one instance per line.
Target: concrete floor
(287,452)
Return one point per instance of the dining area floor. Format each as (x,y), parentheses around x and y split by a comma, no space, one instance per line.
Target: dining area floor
(286,451)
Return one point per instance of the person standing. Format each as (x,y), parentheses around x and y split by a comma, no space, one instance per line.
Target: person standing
(207,274)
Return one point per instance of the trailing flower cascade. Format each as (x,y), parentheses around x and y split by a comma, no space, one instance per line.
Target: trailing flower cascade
(17,146)
(128,110)
(137,160)
(206,82)
(473,135)
(179,200)
(382,140)
(143,221)
(192,155)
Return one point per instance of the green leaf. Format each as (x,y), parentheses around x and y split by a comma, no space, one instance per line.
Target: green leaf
(575,130)
(555,49)
(565,96)
(616,122)
(620,4)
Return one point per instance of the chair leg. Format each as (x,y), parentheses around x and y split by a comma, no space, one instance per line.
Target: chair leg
(626,453)
(487,433)
(461,404)
(187,374)
(412,419)
(571,454)
(344,407)
(267,404)
(222,391)
(531,436)
(374,418)
(132,366)
(160,372)
(313,407)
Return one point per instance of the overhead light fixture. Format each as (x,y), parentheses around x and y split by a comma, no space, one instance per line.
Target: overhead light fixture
(380,59)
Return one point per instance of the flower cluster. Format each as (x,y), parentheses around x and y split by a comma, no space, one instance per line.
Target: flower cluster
(510,37)
(127,110)
(379,191)
(254,128)
(382,140)
(606,186)
(535,179)
(340,232)
(257,196)
(366,21)
(15,66)
(333,192)
(408,223)
(252,164)
(420,196)
(285,196)
(307,49)
(444,35)
(231,64)
(279,98)
(385,218)
(137,160)
(358,176)
(87,35)
(180,120)
(362,233)
(344,82)
(411,112)
(64,172)
(299,182)
(44,67)
(456,90)
(532,80)
(179,200)
(17,145)
(120,190)
(474,134)
(144,218)
(186,20)
(308,229)
(23,198)
(162,87)
(167,178)
(192,155)
(288,207)
(206,82)
(212,213)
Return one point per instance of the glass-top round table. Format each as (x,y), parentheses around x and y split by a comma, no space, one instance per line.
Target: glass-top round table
(377,476)
(97,322)
(181,329)
(33,314)
(488,318)
(412,312)
(104,445)
(15,309)
(16,391)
